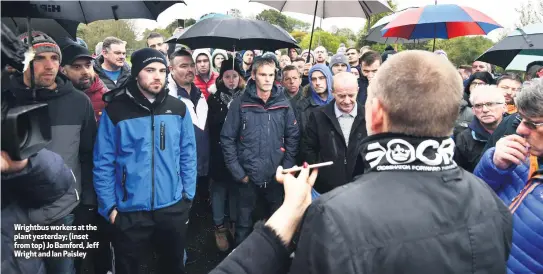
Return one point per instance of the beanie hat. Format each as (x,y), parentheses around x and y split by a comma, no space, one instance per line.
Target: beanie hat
(244,51)
(143,57)
(272,56)
(340,58)
(41,42)
(227,65)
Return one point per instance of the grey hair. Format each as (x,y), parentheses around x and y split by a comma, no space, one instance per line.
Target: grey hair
(98,48)
(487,91)
(529,100)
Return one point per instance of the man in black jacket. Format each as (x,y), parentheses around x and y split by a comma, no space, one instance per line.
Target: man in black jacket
(72,119)
(414,210)
(110,65)
(259,134)
(334,133)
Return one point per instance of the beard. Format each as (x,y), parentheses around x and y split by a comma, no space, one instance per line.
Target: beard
(84,86)
(151,88)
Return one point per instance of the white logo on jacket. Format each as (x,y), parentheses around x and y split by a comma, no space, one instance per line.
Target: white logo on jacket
(198,116)
(401,153)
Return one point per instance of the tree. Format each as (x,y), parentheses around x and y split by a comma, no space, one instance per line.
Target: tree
(361,41)
(96,32)
(298,35)
(174,25)
(296,24)
(347,33)
(530,14)
(463,50)
(274,17)
(329,41)
(235,13)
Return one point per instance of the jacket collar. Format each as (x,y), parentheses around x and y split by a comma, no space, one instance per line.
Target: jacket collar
(329,111)
(25,94)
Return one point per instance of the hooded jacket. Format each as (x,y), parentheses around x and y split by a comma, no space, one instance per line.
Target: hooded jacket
(328,74)
(35,189)
(145,153)
(95,93)
(73,128)
(257,137)
(215,53)
(198,108)
(464,118)
(527,249)
(212,75)
(123,77)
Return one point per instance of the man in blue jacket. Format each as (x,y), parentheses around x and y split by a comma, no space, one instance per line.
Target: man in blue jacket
(514,170)
(145,167)
(259,134)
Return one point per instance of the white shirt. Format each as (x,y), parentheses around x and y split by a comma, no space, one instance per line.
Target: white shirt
(346,121)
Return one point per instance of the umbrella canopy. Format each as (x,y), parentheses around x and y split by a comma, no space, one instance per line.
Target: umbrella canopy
(376,36)
(330,8)
(86,11)
(234,33)
(518,49)
(439,21)
(214,15)
(56,28)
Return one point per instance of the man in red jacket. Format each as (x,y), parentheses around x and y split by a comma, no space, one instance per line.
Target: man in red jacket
(205,77)
(77,66)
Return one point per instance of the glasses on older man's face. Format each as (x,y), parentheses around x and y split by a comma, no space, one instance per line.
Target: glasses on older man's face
(488,105)
(476,83)
(529,124)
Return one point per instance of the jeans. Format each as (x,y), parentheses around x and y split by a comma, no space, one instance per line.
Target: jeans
(61,265)
(224,199)
(248,195)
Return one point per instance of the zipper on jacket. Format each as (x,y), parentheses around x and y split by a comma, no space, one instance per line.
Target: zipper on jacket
(162,136)
(152,160)
(123,183)
(269,123)
(334,146)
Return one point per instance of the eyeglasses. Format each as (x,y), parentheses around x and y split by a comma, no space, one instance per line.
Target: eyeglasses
(529,124)
(488,105)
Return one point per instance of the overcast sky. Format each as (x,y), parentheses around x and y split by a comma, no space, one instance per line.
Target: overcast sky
(503,11)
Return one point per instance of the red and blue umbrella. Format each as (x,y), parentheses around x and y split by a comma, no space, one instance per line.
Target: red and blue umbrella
(439,21)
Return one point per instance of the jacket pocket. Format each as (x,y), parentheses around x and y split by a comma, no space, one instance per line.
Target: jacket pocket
(162,136)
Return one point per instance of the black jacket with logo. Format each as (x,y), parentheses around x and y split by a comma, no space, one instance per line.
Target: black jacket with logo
(324,141)
(413,211)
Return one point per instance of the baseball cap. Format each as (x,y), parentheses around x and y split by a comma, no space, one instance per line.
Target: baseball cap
(74,51)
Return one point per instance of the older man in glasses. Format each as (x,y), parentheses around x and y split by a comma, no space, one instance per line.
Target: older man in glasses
(514,169)
(488,107)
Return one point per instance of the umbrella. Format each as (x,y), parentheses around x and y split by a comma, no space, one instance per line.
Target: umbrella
(234,33)
(376,36)
(56,28)
(329,8)
(439,21)
(214,15)
(86,11)
(518,49)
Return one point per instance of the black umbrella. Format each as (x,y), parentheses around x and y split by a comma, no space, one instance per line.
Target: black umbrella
(234,33)
(86,11)
(56,28)
(517,46)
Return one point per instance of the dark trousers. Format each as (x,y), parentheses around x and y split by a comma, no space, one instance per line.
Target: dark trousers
(163,230)
(60,265)
(248,197)
(101,257)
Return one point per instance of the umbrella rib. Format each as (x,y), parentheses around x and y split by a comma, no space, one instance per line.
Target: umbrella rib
(83,12)
(284,4)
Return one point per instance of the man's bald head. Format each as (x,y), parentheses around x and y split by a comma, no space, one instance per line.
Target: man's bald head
(345,91)
(416,94)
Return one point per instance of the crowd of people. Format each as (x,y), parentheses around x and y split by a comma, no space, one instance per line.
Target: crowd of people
(427,157)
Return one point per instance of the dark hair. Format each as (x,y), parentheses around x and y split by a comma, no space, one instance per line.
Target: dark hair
(290,68)
(111,41)
(262,61)
(351,49)
(370,57)
(179,53)
(484,76)
(298,59)
(534,63)
(509,76)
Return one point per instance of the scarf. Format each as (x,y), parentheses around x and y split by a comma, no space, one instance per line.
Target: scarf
(511,109)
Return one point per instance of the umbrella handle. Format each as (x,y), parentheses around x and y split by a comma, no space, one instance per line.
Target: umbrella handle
(312,30)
